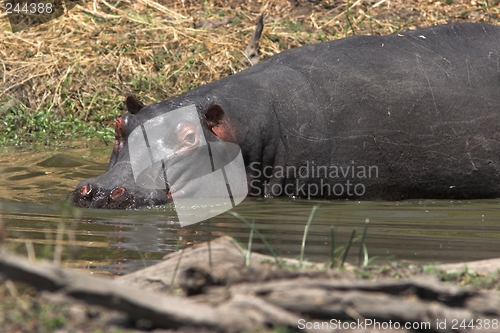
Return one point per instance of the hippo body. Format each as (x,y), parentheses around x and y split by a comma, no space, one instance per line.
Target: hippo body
(410,115)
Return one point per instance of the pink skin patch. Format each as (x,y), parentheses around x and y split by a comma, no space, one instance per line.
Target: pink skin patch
(85,190)
(117,192)
(119,129)
(118,122)
(119,132)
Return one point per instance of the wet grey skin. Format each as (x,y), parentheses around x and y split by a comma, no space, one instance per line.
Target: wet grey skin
(421,106)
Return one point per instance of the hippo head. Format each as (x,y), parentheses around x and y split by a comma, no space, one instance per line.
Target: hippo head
(157,149)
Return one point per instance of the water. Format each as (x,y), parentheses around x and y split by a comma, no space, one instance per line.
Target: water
(35,182)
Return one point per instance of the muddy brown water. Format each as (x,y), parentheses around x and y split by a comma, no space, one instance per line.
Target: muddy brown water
(35,183)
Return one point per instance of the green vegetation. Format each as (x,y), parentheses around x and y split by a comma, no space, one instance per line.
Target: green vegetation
(256,231)
(468,278)
(338,255)
(306,231)
(19,305)
(22,309)
(68,78)
(20,125)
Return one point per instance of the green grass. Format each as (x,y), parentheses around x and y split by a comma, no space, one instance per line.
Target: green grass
(338,255)
(465,277)
(293,26)
(20,307)
(306,231)
(43,126)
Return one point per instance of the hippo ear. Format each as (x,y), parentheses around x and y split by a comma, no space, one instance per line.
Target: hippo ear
(214,115)
(133,104)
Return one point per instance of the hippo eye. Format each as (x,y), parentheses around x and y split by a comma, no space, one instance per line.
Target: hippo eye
(190,138)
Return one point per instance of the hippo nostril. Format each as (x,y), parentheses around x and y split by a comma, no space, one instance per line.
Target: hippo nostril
(117,192)
(86,190)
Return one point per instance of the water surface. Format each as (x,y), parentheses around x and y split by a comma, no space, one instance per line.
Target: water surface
(35,183)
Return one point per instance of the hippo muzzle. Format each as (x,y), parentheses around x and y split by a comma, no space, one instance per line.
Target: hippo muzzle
(113,190)
(153,157)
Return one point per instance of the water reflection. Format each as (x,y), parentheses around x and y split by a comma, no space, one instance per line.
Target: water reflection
(34,183)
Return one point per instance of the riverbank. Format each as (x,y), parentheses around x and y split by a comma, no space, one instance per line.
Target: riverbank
(213,287)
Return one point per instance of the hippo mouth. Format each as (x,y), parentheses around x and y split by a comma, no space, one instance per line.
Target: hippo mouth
(178,177)
(91,195)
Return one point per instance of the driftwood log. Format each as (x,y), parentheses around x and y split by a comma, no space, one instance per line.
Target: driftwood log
(232,297)
(162,311)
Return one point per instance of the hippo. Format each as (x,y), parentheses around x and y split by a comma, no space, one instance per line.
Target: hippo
(410,115)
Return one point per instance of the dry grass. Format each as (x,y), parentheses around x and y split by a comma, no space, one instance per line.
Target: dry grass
(79,67)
